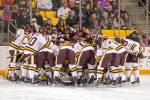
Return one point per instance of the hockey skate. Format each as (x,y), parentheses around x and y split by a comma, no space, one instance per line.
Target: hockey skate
(57,81)
(34,80)
(98,83)
(80,82)
(91,81)
(114,83)
(136,81)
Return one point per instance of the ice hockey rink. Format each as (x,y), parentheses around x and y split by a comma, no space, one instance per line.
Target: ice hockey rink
(21,91)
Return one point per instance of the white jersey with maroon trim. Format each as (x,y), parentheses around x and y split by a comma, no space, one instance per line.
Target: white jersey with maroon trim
(106,47)
(115,45)
(15,44)
(99,54)
(131,46)
(36,43)
(78,47)
(55,48)
(25,41)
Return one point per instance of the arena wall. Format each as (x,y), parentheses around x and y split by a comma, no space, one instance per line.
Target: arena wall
(144,63)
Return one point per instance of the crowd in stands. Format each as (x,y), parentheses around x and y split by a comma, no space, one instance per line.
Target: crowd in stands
(95,13)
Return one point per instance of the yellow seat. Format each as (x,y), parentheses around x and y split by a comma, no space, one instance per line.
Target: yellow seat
(34,4)
(50,14)
(1,13)
(42,13)
(109,33)
(55,21)
(121,35)
(128,32)
(1,3)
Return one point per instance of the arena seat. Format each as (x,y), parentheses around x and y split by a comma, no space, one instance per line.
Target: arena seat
(122,33)
(109,33)
(1,3)
(115,33)
(55,21)
(34,3)
(50,14)
(128,32)
(42,13)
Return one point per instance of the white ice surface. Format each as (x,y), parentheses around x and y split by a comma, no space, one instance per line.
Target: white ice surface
(13,91)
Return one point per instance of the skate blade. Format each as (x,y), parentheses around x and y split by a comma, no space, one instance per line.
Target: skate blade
(136,84)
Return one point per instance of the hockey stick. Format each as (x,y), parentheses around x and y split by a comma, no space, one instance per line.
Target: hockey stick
(98,30)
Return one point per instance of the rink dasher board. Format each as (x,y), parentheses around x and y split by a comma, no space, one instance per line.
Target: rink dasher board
(144,63)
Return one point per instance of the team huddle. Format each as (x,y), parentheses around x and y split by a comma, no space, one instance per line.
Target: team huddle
(83,61)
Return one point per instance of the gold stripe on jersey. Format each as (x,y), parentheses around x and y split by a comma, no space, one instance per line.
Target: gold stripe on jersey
(48,69)
(30,49)
(87,44)
(47,44)
(99,58)
(73,69)
(114,71)
(91,70)
(22,48)
(57,69)
(119,47)
(135,68)
(79,70)
(99,71)
(120,70)
(125,43)
(127,69)
(136,53)
(77,54)
(10,68)
(34,69)
(140,49)
(133,46)
(17,68)
(67,43)
(14,46)
(26,67)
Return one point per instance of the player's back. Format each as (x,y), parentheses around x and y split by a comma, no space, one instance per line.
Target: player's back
(36,42)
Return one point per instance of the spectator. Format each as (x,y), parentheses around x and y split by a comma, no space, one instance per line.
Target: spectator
(122,11)
(8,2)
(127,23)
(76,9)
(105,3)
(86,14)
(64,10)
(71,20)
(93,22)
(56,4)
(106,23)
(98,10)
(1,4)
(7,17)
(25,19)
(44,4)
(39,18)
(72,4)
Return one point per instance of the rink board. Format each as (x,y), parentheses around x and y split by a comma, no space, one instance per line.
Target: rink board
(144,63)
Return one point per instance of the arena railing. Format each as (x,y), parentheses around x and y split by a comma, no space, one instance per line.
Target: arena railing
(9,31)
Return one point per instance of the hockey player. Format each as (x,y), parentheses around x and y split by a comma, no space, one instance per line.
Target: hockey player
(87,56)
(134,54)
(109,57)
(36,43)
(122,55)
(14,48)
(66,54)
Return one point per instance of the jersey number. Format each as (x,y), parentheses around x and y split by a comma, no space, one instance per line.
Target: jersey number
(32,41)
